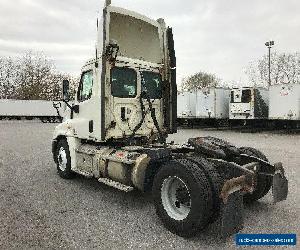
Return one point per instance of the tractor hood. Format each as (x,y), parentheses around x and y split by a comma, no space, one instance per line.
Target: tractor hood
(137,36)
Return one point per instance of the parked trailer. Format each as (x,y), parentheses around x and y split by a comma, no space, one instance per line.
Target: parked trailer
(249,105)
(212,103)
(285,104)
(205,106)
(256,107)
(186,107)
(30,109)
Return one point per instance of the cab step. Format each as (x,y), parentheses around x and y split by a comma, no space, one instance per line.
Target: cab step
(83,173)
(116,184)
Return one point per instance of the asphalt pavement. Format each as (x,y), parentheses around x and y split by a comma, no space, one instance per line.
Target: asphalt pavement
(38,209)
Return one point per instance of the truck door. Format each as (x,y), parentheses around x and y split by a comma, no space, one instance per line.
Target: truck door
(87,121)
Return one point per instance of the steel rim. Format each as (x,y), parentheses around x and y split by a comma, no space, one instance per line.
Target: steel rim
(176,198)
(62,159)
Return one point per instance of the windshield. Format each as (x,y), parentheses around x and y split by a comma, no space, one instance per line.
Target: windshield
(152,84)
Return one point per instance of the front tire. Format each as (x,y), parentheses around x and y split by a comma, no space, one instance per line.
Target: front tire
(182,197)
(63,160)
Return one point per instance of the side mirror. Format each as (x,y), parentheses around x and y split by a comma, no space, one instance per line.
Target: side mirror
(66,86)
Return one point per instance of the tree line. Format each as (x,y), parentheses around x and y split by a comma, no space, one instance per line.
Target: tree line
(285,69)
(32,76)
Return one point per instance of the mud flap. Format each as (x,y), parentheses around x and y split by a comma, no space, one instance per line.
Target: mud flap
(279,188)
(280,184)
(232,208)
(232,214)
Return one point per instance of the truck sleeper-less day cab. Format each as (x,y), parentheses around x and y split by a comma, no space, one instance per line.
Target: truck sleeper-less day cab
(116,132)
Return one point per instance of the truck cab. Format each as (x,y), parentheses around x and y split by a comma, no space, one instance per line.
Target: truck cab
(134,67)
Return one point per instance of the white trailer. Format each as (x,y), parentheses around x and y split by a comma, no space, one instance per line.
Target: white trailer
(212,103)
(209,104)
(29,109)
(249,103)
(285,102)
(186,105)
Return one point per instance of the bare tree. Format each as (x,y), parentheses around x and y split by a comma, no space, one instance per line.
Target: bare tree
(285,69)
(200,80)
(32,76)
(35,76)
(7,78)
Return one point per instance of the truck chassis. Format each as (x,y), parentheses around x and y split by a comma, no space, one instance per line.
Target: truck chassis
(191,184)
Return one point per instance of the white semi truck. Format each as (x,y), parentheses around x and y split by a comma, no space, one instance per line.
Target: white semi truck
(46,111)
(116,132)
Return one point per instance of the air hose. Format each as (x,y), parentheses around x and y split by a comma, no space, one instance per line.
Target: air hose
(154,119)
(152,112)
(138,126)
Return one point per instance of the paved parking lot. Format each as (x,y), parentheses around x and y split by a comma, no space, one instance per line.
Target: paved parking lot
(38,209)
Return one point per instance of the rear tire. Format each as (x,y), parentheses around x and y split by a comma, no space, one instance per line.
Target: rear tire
(63,160)
(216,182)
(264,183)
(182,197)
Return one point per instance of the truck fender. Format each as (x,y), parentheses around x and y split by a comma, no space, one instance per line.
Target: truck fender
(139,171)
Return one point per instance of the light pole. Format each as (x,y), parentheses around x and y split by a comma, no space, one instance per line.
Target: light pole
(269,45)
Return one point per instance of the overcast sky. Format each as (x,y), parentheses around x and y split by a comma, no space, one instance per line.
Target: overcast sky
(217,36)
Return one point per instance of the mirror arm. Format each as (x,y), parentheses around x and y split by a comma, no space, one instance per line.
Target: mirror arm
(74,108)
(66,102)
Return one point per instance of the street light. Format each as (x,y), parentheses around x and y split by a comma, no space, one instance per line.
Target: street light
(269,45)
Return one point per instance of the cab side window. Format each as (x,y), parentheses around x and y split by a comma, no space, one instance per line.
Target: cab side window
(86,86)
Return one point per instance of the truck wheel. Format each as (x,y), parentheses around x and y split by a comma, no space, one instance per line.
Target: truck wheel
(63,160)
(264,183)
(216,182)
(182,197)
